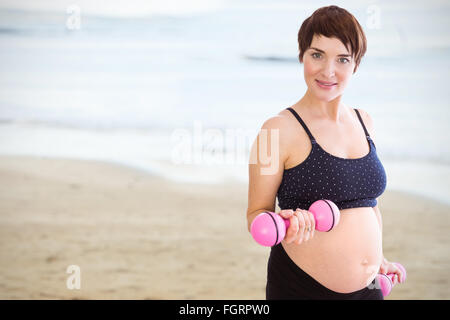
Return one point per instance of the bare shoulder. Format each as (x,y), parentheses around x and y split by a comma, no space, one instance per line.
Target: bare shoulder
(282,127)
(283,122)
(368,122)
(279,121)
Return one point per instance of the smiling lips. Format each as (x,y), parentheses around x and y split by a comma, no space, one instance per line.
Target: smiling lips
(324,84)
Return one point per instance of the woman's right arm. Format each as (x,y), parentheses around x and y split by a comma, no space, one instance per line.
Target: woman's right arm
(268,155)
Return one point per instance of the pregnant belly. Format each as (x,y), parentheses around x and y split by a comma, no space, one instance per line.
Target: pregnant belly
(347,258)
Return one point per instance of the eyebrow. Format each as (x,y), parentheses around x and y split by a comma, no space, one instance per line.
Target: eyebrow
(339,55)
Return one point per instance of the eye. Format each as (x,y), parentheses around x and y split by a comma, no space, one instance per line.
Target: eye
(314,55)
(344,60)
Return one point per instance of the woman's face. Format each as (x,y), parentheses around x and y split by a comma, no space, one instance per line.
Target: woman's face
(328,67)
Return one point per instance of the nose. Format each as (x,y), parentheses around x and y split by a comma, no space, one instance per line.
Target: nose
(328,69)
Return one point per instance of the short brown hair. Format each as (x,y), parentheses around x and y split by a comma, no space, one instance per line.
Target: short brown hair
(333,21)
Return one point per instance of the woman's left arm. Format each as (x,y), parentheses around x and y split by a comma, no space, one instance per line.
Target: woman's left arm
(386,266)
(380,221)
(378,214)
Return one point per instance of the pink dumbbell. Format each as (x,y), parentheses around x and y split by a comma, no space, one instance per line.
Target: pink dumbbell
(386,281)
(269,229)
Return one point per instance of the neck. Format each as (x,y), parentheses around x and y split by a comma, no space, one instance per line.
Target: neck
(333,110)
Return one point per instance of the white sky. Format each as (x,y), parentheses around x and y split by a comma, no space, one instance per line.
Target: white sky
(122,8)
(118,7)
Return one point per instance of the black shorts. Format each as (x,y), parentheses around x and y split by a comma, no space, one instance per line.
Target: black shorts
(286,281)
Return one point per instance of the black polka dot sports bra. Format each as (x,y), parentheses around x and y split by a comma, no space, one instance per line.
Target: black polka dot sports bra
(349,183)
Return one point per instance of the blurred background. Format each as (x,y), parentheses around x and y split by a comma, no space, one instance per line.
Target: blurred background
(123,82)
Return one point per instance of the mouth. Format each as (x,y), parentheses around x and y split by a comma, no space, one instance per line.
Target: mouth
(326,85)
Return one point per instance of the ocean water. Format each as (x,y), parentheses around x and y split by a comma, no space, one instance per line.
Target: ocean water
(133,82)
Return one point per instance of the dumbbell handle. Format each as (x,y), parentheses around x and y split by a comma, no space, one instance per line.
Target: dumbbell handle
(287,222)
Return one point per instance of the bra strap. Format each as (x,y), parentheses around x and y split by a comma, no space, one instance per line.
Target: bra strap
(302,123)
(364,127)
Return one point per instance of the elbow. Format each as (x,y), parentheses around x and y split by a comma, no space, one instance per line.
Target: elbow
(250,217)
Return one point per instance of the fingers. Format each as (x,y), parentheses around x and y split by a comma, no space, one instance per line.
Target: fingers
(286,213)
(391,268)
(301,227)
(398,275)
(293,227)
(313,223)
(383,269)
(395,279)
(401,276)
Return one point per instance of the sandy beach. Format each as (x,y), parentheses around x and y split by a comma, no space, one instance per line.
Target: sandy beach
(137,236)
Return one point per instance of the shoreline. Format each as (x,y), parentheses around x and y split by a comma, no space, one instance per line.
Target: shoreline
(138,236)
(150,151)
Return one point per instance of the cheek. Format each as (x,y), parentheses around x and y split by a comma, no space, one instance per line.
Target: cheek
(310,69)
(346,72)
(344,76)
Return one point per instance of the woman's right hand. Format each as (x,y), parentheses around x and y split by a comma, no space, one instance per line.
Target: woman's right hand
(302,225)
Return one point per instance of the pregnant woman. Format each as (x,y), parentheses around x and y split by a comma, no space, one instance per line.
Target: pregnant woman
(320,148)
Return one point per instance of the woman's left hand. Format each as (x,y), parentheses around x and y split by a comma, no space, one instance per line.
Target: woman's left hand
(390,267)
